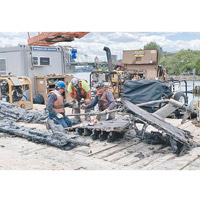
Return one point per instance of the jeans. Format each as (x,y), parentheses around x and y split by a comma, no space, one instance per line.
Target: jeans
(65,122)
(108,116)
(78,111)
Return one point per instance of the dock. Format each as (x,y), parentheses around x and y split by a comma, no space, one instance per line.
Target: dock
(128,153)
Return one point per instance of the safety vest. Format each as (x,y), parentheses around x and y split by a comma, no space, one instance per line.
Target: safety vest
(103,102)
(58,105)
(80,92)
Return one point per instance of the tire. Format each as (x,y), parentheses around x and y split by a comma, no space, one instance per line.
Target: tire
(179,96)
(38,99)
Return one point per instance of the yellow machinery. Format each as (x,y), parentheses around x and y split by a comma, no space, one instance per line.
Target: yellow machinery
(113,78)
(139,64)
(14,89)
(46,84)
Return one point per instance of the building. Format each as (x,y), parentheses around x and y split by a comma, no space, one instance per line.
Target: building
(114,59)
(31,61)
(144,62)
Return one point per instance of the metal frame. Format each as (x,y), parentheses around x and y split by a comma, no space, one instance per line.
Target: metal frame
(172,86)
(119,83)
(25,81)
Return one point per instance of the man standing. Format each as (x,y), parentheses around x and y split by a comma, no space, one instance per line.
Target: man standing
(55,105)
(78,89)
(105,100)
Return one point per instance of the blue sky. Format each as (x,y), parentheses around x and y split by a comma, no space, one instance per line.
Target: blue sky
(92,44)
(185,36)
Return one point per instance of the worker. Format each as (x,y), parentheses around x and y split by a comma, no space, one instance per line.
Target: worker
(55,106)
(79,89)
(105,100)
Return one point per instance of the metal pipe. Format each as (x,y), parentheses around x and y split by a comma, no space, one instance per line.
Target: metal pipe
(151,102)
(95,113)
(109,58)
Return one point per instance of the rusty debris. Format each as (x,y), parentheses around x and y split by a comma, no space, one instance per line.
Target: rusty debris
(178,138)
(110,130)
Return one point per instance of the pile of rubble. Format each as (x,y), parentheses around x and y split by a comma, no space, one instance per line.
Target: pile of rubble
(110,130)
(10,114)
(14,113)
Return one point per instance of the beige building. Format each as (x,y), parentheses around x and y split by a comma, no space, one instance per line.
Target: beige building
(143,62)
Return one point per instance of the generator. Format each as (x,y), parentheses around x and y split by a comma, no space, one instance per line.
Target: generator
(136,65)
(46,84)
(16,90)
(113,78)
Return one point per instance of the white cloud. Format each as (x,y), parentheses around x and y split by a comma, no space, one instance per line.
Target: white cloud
(92,44)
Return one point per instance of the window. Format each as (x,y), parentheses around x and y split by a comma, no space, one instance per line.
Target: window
(138,58)
(44,61)
(35,60)
(41,61)
(2,66)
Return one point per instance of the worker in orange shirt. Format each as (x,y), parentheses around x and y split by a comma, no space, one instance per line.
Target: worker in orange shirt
(79,89)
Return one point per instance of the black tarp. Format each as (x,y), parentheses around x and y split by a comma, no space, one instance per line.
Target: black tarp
(142,91)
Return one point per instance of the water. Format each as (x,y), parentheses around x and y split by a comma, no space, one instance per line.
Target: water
(86,76)
(82,75)
(190,86)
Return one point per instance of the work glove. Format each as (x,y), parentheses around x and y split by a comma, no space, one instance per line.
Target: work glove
(87,101)
(75,104)
(70,104)
(106,110)
(59,116)
(83,107)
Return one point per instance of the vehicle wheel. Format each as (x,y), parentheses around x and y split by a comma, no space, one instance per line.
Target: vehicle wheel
(38,99)
(179,96)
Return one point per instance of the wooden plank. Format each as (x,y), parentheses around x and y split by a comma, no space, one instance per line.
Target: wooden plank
(179,163)
(147,152)
(159,160)
(174,122)
(186,124)
(195,165)
(19,154)
(119,148)
(129,157)
(191,128)
(147,161)
(196,134)
(95,147)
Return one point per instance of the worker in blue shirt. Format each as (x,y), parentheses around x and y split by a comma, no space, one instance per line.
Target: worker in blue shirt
(104,99)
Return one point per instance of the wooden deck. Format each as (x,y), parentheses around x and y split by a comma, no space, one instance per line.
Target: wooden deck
(127,153)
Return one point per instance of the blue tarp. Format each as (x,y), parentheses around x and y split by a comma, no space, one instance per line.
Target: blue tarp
(142,91)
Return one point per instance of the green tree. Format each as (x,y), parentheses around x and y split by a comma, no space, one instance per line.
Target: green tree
(182,61)
(154,46)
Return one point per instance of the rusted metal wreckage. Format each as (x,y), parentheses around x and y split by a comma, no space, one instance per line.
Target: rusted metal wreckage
(66,139)
(167,134)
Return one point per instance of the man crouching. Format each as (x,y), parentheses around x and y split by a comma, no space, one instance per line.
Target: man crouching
(56,106)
